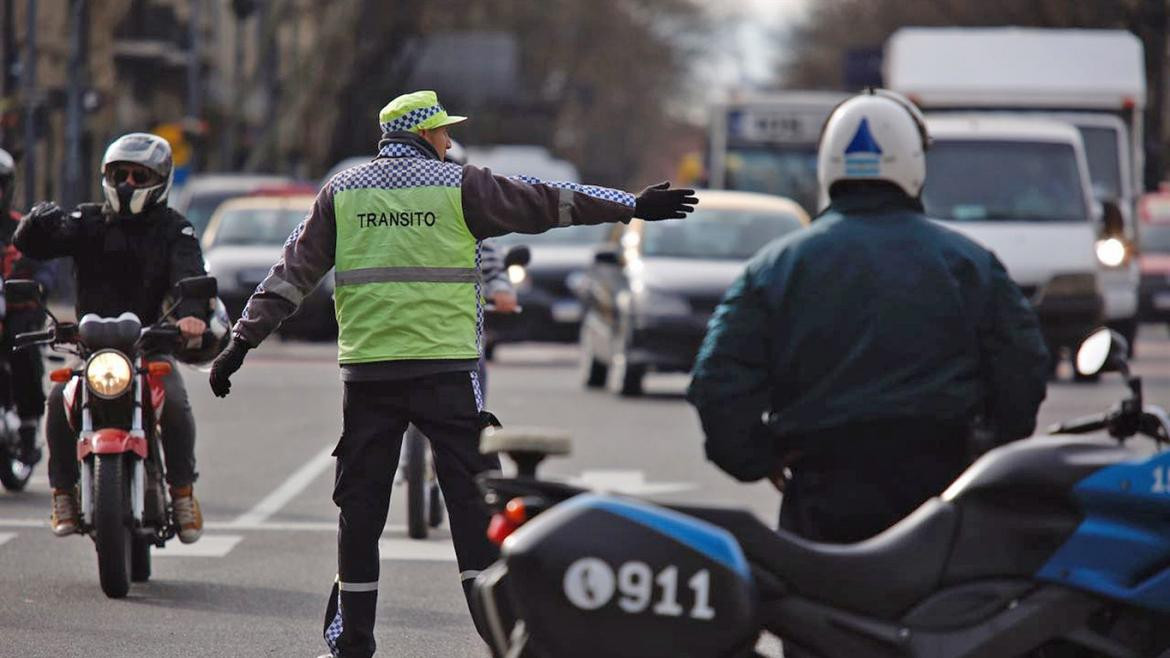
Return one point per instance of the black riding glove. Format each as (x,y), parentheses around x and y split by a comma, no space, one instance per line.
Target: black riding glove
(226,364)
(47,215)
(660,202)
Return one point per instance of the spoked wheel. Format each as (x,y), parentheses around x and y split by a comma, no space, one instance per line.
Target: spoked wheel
(111,520)
(14,474)
(416,486)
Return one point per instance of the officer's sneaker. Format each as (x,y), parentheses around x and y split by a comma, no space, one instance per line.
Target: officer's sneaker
(187,514)
(64,520)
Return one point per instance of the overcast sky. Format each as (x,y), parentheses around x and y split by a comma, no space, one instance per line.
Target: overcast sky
(751,44)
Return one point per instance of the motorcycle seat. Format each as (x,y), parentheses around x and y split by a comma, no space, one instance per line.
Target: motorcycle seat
(881,577)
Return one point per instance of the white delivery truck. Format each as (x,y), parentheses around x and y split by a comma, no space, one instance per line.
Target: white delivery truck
(1021,188)
(1092,79)
(768,143)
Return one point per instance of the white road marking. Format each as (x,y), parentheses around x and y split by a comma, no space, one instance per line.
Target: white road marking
(289,489)
(429,550)
(207,546)
(627,482)
(5,536)
(23,523)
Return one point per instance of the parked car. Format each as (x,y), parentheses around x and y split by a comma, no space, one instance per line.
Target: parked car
(1154,258)
(201,195)
(244,239)
(654,285)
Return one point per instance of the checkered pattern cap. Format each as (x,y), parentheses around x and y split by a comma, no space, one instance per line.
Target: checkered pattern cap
(416,111)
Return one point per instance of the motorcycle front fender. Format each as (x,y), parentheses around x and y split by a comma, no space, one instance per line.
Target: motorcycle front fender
(111,441)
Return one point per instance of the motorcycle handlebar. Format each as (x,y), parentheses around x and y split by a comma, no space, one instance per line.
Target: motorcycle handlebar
(1082,425)
(30,338)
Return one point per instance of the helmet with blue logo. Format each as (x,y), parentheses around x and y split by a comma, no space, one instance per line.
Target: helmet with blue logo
(878,136)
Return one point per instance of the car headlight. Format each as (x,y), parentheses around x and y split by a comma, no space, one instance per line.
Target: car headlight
(517,274)
(1111,252)
(108,374)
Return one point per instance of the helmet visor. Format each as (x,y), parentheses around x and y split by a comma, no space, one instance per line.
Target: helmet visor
(136,175)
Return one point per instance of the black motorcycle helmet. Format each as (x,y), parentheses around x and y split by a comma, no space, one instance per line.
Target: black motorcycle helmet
(7,180)
(137,173)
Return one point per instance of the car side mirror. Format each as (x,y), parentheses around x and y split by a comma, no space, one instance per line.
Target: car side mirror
(197,287)
(607,255)
(519,255)
(1103,351)
(22,291)
(1112,221)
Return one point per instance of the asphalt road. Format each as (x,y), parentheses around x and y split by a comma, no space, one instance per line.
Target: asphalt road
(256,584)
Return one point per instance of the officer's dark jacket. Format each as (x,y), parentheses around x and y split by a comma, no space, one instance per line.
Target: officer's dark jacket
(120,264)
(872,313)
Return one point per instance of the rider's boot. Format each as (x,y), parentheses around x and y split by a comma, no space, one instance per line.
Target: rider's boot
(64,520)
(30,454)
(187,514)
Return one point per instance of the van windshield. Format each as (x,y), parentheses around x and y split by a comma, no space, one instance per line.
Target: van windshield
(977,181)
(784,171)
(1101,150)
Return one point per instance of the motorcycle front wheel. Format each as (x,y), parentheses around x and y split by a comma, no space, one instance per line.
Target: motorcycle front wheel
(416,485)
(111,521)
(14,474)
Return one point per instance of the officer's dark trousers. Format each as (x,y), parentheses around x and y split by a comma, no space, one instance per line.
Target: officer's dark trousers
(178,436)
(446,408)
(854,482)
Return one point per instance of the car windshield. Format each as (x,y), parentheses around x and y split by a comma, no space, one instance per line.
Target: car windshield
(256,226)
(977,181)
(1155,238)
(202,206)
(791,172)
(1101,150)
(716,234)
(584,235)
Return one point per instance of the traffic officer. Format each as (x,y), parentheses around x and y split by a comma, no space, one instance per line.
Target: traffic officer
(871,342)
(402,233)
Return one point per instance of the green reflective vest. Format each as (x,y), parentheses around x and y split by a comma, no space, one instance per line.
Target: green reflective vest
(405,266)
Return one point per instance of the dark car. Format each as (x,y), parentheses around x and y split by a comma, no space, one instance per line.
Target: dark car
(653,286)
(1154,258)
(546,288)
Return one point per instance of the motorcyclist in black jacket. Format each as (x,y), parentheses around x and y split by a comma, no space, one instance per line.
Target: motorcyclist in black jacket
(127,253)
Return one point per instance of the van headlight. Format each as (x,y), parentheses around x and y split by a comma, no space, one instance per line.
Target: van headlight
(1111,252)
(108,374)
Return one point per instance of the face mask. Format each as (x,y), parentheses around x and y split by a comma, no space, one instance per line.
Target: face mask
(125,195)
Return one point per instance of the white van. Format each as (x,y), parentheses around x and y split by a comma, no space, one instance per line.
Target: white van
(1020,187)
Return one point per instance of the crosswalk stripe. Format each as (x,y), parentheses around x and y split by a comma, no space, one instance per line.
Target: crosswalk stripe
(5,536)
(207,546)
(430,550)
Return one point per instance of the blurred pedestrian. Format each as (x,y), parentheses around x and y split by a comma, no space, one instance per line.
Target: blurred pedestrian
(402,233)
(872,341)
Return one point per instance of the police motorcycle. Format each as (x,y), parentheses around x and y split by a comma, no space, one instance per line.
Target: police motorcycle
(113,401)
(1052,546)
(424,500)
(14,472)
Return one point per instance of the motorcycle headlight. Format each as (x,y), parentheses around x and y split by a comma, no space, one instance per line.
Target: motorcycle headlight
(1111,252)
(108,374)
(517,274)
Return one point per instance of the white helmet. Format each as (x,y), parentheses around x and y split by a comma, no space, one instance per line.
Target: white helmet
(878,135)
(137,152)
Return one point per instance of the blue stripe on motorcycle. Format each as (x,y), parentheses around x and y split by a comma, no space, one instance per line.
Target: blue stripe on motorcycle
(1122,548)
(705,538)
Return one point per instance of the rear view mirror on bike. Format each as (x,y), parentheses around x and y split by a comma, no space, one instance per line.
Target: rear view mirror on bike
(518,255)
(1103,351)
(197,287)
(19,291)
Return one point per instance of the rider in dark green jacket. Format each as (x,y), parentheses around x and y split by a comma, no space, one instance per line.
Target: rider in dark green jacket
(873,341)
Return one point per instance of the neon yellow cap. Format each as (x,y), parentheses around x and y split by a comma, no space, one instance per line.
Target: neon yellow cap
(416,111)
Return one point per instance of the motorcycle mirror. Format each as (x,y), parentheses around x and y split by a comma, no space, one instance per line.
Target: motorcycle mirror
(518,255)
(527,447)
(20,291)
(198,287)
(1103,351)
(607,255)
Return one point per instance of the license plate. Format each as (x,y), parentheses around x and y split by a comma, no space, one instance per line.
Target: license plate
(566,311)
(1162,301)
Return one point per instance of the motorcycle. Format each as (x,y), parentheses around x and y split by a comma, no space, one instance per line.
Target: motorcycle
(14,472)
(113,401)
(424,499)
(1051,546)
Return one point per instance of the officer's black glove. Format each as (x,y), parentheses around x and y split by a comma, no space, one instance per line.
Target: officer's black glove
(226,364)
(47,215)
(660,202)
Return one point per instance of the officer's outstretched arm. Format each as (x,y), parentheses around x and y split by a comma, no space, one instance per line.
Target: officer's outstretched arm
(1015,361)
(731,384)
